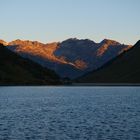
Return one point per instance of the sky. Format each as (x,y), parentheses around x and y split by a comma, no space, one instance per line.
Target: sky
(57,20)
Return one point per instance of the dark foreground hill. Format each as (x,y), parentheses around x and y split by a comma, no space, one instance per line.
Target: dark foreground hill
(15,70)
(123,69)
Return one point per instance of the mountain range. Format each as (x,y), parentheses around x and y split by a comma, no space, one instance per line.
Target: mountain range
(71,58)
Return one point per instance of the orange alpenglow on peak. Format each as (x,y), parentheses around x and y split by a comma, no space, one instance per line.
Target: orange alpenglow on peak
(3,42)
(110,42)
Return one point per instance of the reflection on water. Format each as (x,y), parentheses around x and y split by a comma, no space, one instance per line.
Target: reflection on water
(69,113)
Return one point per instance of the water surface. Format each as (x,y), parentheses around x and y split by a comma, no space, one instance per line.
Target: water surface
(69,113)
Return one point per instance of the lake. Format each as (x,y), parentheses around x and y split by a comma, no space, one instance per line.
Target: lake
(69,113)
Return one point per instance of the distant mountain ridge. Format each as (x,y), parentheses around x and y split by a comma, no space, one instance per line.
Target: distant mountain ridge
(125,68)
(71,58)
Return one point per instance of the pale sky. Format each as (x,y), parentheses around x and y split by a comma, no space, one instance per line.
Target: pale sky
(57,20)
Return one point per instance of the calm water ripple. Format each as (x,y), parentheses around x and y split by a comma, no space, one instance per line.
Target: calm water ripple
(69,113)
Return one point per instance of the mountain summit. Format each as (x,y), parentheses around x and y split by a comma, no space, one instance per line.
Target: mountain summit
(3,42)
(110,42)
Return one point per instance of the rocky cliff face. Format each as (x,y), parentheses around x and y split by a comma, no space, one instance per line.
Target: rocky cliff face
(70,58)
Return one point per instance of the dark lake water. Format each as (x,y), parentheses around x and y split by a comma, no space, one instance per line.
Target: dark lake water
(69,113)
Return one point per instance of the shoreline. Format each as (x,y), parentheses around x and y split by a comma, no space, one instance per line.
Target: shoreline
(77,85)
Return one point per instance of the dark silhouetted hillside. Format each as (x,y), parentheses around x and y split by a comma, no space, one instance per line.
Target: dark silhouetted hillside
(15,70)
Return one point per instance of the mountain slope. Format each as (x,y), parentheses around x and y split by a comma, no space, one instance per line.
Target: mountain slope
(15,70)
(3,42)
(91,55)
(123,69)
(71,58)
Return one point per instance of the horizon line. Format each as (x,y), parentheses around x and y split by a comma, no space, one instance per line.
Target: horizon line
(65,40)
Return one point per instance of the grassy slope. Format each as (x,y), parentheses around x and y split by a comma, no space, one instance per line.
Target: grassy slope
(15,70)
(123,69)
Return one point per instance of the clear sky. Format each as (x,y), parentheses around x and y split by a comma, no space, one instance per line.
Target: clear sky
(57,20)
